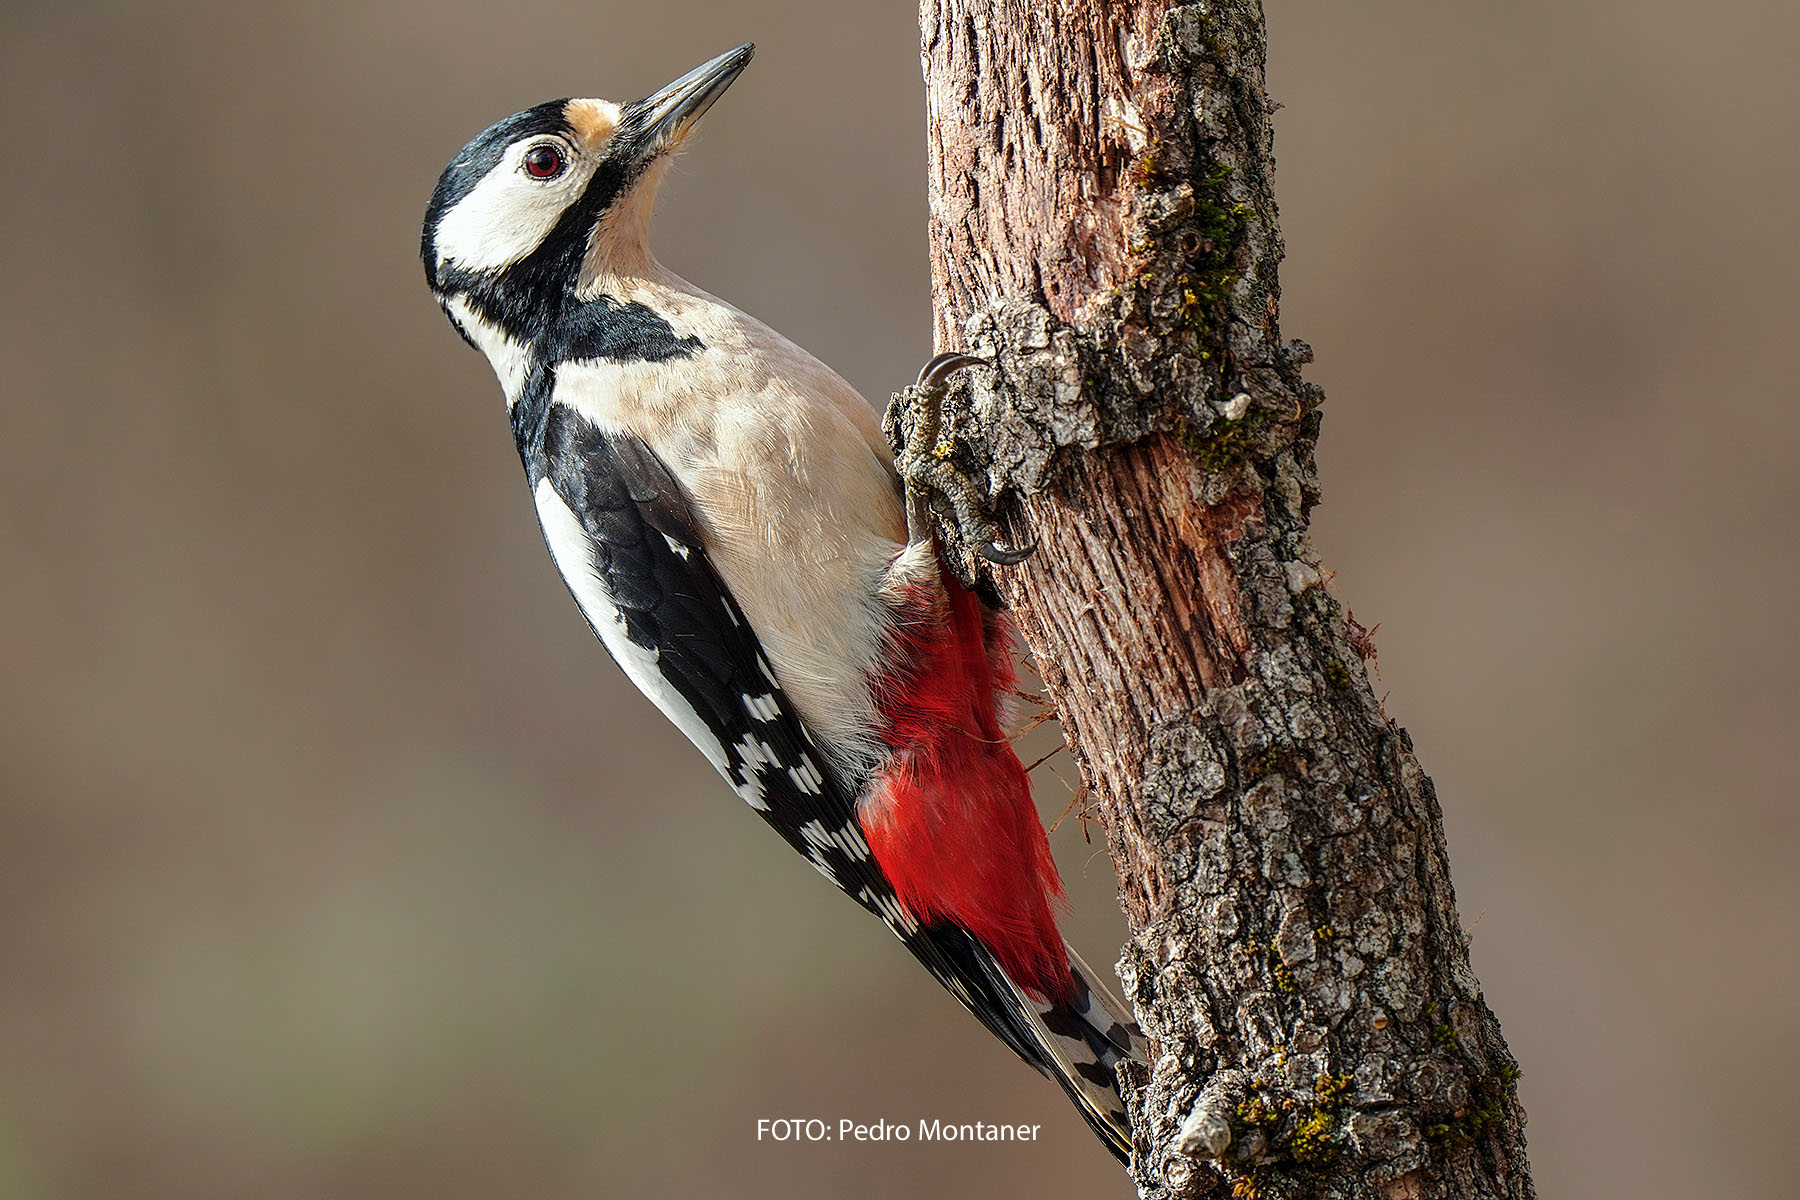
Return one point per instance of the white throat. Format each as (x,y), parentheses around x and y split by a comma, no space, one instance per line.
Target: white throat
(510,359)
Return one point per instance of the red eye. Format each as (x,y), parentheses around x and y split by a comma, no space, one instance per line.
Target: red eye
(543,162)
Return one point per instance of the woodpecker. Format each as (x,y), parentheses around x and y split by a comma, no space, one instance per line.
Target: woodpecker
(728,517)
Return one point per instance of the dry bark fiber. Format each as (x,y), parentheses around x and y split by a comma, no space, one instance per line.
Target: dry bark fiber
(1104,230)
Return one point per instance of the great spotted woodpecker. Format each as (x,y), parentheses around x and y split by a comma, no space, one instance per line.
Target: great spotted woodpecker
(727,515)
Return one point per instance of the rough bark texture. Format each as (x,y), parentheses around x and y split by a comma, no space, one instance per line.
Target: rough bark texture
(1104,228)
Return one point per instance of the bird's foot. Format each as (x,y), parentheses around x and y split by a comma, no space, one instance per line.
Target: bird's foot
(933,483)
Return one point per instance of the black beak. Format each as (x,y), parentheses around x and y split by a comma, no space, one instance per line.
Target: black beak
(662,119)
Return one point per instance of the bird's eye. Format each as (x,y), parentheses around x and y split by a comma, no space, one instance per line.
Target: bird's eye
(544,162)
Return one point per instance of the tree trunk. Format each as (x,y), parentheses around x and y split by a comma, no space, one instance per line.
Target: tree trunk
(1104,230)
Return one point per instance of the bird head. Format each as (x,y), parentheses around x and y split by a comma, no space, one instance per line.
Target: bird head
(539,206)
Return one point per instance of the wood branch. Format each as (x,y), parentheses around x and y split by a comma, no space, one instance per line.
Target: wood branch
(1104,230)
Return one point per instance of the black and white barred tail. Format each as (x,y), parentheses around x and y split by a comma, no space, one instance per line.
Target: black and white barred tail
(1078,1044)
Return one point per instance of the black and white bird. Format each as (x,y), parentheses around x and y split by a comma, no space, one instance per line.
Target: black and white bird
(728,518)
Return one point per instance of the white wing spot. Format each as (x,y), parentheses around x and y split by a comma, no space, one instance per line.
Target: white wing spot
(808,776)
(761,708)
(750,787)
(898,918)
(850,841)
(679,548)
(750,791)
(817,842)
(751,751)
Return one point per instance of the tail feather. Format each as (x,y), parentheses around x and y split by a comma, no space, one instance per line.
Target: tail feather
(1079,1042)
(1107,1025)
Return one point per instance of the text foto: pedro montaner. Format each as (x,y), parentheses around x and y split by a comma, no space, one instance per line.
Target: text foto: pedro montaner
(813,1129)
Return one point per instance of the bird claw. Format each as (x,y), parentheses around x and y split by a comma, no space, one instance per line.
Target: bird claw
(932,483)
(1000,555)
(936,373)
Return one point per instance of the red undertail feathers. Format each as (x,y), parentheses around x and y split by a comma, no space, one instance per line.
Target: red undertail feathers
(950,818)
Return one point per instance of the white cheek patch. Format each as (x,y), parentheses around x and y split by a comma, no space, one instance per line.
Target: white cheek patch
(508,214)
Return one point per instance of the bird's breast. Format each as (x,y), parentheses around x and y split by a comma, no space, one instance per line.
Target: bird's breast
(784,464)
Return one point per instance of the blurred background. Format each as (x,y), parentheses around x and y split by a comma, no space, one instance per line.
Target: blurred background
(336,860)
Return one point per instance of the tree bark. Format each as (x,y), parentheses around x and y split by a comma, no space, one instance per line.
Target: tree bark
(1104,230)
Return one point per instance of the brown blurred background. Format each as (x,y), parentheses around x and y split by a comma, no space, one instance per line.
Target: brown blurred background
(335,859)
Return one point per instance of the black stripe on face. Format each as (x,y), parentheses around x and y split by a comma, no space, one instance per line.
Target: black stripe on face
(529,298)
(533,301)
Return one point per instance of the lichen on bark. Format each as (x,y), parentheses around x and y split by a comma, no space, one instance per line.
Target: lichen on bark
(1105,233)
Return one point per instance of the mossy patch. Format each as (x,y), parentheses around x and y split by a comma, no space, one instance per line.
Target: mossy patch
(1331,1089)
(1147,171)
(1209,246)
(1226,443)
(1270,760)
(1302,1137)
(1313,1142)
(1186,240)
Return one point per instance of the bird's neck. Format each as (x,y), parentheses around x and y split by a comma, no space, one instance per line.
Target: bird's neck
(627,275)
(620,246)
